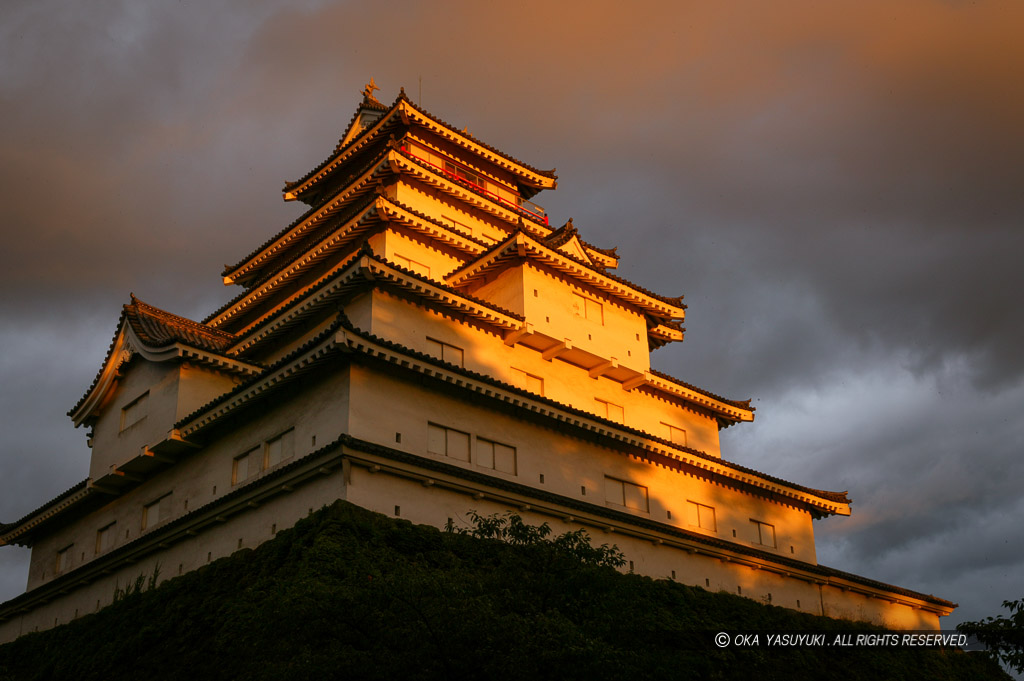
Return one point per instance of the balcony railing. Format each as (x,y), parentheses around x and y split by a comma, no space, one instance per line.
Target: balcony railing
(470,178)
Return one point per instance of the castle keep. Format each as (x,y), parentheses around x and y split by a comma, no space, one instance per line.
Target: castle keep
(422,341)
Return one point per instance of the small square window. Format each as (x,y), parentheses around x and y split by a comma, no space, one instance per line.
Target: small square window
(674,434)
(105,538)
(610,410)
(156,511)
(527,381)
(447,442)
(246,466)
(496,456)
(281,448)
(135,411)
(764,534)
(628,494)
(452,354)
(702,516)
(64,559)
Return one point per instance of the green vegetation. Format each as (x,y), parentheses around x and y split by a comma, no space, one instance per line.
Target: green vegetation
(353,594)
(1004,636)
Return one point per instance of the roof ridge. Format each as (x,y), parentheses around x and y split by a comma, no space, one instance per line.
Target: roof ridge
(744,404)
(164,315)
(671,300)
(551,174)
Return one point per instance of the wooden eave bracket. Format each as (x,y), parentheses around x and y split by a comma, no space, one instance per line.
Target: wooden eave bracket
(513,337)
(556,350)
(637,381)
(603,368)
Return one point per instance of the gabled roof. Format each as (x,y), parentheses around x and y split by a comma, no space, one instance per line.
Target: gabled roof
(158,328)
(404,112)
(158,336)
(567,239)
(523,245)
(369,110)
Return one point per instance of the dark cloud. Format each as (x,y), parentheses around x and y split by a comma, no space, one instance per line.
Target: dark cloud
(835,191)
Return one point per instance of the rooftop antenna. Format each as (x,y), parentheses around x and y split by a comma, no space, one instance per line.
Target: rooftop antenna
(419,100)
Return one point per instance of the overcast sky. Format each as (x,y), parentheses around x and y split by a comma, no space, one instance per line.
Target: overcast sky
(838,194)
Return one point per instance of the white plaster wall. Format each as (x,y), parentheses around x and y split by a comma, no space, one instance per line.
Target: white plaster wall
(318,413)
(486,353)
(246,530)
(386,409)
(110,445)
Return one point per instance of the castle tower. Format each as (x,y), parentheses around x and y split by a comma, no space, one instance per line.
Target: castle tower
(422,341)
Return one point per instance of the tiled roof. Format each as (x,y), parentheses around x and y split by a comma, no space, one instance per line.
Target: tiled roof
(562,235)
(742,404)
(344,323)
(284,361)
(80,487)
(475,190)
(545,173)
(566,232)
(323,164)
(158,328)
(364,249)
(228,269)
(403,98)
(675,301)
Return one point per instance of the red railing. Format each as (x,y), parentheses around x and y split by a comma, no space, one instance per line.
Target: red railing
(520,204)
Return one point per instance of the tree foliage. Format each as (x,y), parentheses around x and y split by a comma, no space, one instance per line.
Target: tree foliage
(511,529)
(351,594)
(1003,636)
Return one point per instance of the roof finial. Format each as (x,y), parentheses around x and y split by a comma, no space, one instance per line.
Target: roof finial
(368,92)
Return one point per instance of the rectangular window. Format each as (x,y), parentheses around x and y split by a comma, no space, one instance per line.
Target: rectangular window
(588,308)
(134,411)
(247,466)
(447,442)
(702,516)
(674,434)
(412,265)
(628,494)
(280,448)
(496,456)
(105,538)
(610,410)
(64,558)
(446,351)
(157,511)
(764,534)
(526,381)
